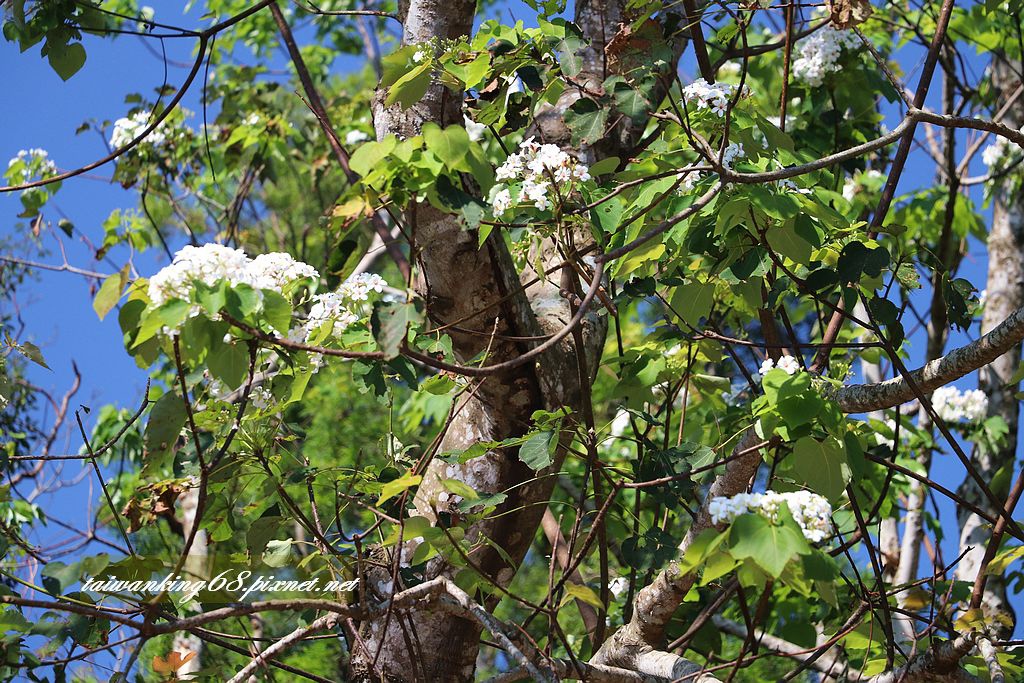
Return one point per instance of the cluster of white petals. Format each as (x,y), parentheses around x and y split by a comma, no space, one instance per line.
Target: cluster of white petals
(342,308)
(713,96)
(819,54)
(787,364)
(44,166)
(127,129)
(541,170)
(953,405)
(810,511)
(732,152)
(212,263)
(1000,154)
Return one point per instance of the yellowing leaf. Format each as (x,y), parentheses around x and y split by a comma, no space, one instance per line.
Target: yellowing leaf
(353,207)
(575,591)
(393,488)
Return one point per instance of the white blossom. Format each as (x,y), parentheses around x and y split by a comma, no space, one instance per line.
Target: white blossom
(819,54)
(715,97)
(952,405)
(544,172)
(278,270)
(419,56)
(354,137)
(732,152)
(810,511)
(341,308)
(214,263)
(35,161)
(860,181)
(787,364)
(475,130)
(127,129)
(501,202)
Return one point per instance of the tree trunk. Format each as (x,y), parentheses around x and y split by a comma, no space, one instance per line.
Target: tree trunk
(481,288)
(1005,294)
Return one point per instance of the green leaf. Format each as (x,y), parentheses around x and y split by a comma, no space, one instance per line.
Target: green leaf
(32,352)
(857,259)
(568,50)
(606,165)
(538,450)
(586,119)
(369,155)
(229,363)
(650,251)
(396,486)
(110,293)
(277,310)
(693,302)
(770,546)
(165,423)
(821,465)
(66,60)
(650,550)
(390,322)
(277,553)
(459,488)
(410,88)
(450,145)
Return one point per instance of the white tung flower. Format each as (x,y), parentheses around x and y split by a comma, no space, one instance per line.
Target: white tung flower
(787,364)
(214,263)
(715,97)
(127,129)
(952,405)
(810,511)
(475,130)
(501,202)
(35,157)
(819,54)
(732,152)
(544,171)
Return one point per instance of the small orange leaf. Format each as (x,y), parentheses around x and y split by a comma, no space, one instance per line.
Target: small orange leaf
(172,662)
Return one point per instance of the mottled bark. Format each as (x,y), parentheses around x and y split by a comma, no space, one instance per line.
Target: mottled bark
(1005,295)
(478,290)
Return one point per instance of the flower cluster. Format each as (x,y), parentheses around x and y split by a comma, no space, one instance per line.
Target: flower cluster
(952,405)
(819,54)
(127,129)
(543,171)
(341,307)
(732,152)
(715,97)
(787,364)
(1000,154)
(214,263)
(33,161)
(810,511)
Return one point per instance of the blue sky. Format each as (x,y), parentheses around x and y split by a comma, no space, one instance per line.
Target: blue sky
(57,307)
